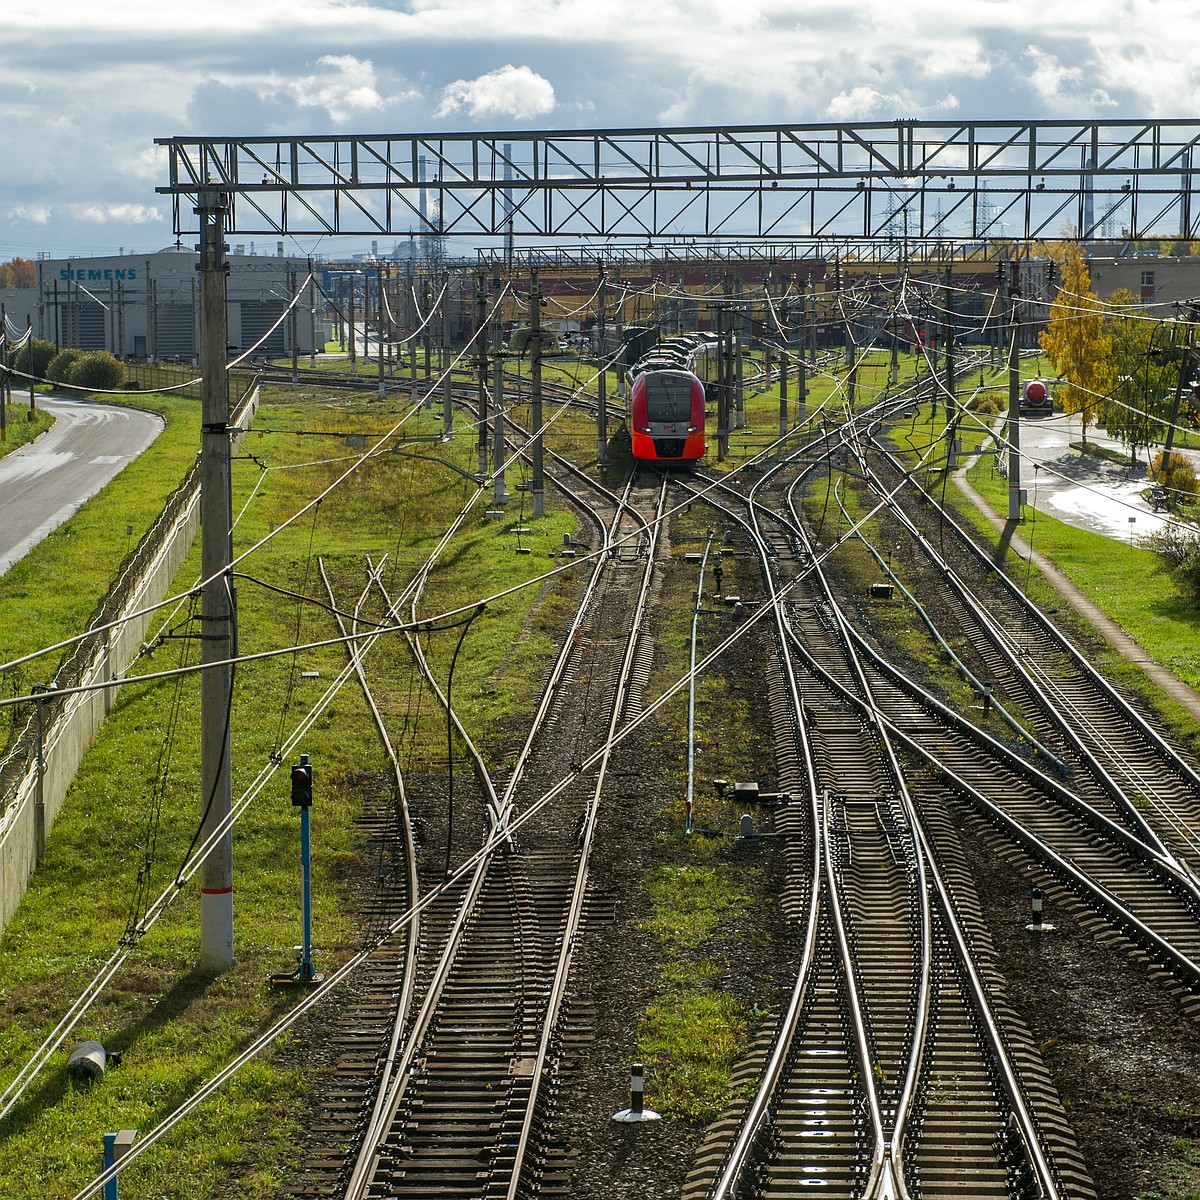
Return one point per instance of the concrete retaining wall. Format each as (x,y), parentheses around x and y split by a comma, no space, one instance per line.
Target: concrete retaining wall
(70,725)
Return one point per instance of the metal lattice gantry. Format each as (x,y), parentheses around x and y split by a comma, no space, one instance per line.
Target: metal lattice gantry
(897,179)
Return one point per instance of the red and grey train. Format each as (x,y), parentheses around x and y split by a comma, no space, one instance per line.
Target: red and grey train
(665,413)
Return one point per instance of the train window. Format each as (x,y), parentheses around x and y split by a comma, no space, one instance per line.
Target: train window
(668,396)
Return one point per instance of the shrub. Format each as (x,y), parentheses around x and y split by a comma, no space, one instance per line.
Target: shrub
(98,371)
(986,405)
(58,370)
(1178,549)
(1178,476)
(39,351)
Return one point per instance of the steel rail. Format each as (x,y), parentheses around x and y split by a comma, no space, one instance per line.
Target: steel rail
(586,837)
(391,1095)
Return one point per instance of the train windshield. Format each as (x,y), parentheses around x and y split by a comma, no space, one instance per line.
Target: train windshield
(668,396)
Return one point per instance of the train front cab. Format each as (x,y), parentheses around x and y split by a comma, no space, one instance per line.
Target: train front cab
(667,416)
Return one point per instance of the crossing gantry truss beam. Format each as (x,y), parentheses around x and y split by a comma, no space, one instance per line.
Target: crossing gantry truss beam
(879,180)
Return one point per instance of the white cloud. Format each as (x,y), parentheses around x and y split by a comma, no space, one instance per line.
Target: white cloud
(35,214)
(346,88)
(124,214)
(508,91)
(864,103)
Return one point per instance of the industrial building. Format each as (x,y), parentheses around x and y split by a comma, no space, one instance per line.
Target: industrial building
(148,306)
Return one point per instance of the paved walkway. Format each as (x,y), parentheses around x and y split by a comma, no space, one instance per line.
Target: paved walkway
(1179,691)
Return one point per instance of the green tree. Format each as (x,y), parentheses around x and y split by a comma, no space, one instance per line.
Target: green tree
(39,352)
(97,371)
(1076,340)
(1143,383)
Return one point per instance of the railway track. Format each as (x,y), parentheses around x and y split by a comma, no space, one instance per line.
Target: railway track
(854,1103)
(460,1100)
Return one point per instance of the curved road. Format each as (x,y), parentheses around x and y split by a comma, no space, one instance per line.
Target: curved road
(42,484)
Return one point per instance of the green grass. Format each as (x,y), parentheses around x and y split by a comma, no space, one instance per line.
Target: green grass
(1180,1178)
(1127,582)
(175,1026)
(693,1033)
(20,430)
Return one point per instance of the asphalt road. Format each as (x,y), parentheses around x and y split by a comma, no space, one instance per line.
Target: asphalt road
(1083,490)
(42,484)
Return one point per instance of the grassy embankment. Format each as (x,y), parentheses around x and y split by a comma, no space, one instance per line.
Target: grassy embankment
(1124,580)
(20,430)
(135,805)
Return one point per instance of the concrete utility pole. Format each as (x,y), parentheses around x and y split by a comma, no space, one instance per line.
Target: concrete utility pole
(739,338)
(783,364)
(500,491)
(951,398)
(1014,398)
(1187,366)
(217,602)
(535,394)
(722,384)
(293,332)
(620,319)
(447,359)
(312,318)
(427,338)
(801,369)
(350,280)
(379,324)
(602,381)
(5,385)
(481,442)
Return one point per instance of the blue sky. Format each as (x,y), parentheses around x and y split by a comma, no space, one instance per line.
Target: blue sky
(85,88)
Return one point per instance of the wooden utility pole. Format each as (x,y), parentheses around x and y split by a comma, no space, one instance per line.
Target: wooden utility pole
(217,601)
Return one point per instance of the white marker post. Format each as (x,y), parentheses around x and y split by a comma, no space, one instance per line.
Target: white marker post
(637,1086)
(1038,925)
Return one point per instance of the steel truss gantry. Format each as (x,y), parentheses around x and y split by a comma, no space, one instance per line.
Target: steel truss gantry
(894,179)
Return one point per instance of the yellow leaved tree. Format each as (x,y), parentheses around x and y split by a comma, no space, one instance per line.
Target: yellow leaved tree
(1077,340)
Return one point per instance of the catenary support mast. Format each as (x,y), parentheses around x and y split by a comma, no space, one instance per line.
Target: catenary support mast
(217,613)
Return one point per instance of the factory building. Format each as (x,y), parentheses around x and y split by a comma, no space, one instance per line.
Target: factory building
(148,306)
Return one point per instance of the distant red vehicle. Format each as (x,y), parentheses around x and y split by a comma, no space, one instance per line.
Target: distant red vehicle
(666,402)
(1035,400)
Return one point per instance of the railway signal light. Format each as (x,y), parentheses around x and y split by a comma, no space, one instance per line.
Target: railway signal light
(302,783)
